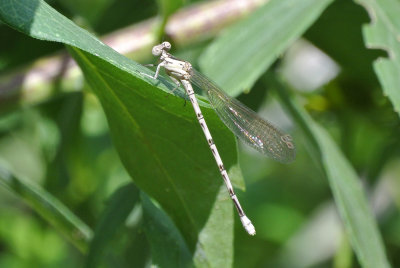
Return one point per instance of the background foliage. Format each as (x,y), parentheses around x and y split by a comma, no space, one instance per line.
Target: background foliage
(113,170)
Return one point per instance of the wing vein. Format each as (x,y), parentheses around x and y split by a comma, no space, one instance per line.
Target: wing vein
(247,125)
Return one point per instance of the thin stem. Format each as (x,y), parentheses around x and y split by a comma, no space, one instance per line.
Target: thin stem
(48,77)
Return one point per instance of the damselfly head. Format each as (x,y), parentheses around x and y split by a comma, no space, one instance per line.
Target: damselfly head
(166,45)
(157,50)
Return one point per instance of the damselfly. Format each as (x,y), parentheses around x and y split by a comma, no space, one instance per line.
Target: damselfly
(243,122)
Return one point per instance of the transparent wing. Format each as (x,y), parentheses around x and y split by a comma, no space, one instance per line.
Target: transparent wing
(246,124)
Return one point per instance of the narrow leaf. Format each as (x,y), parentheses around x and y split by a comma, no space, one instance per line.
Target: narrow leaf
(347,190)
(243,52)
(49,208)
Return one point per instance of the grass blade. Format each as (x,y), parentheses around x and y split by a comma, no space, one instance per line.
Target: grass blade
(347,190)
(245,51)
(49,208)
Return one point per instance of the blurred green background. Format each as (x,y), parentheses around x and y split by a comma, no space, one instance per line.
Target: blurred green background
(63,144)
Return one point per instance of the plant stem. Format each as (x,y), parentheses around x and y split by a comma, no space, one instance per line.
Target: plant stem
(51,76)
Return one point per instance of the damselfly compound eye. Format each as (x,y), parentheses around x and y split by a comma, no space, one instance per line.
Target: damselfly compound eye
(156,51)
(166,45)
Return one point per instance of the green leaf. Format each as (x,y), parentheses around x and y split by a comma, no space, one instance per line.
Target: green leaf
(383,33)
(347,190)
(113,217)
(148,125)
(157,136)
(245,51)
(49,208)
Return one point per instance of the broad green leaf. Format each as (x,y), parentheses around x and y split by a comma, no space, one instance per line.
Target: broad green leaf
(49,208)
(157,136)
(347,190)
(383,33)
(163,149)
(112,219)
(242,53)
(168,247)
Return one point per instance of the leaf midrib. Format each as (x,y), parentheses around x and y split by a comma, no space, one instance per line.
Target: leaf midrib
(167,111)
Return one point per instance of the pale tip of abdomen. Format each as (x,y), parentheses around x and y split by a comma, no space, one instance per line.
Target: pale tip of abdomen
(248,226)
